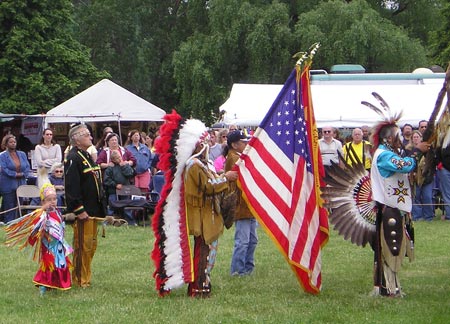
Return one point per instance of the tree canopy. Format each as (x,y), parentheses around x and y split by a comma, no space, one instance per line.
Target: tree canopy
(371,40)
(187,54)
(41,63)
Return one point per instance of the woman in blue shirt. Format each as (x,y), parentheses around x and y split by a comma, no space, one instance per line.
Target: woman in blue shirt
(143,158)
(14,169)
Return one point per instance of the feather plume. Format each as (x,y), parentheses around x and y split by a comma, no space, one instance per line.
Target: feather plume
(382,102)
(386,114)
(374,108)
(348,196)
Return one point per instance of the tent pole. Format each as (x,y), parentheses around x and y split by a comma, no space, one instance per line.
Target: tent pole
(120,131)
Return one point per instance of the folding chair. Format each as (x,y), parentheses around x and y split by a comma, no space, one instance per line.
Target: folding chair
(131,195)
(25,194)
(158,182)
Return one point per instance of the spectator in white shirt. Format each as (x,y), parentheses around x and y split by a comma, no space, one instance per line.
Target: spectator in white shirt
(329,146)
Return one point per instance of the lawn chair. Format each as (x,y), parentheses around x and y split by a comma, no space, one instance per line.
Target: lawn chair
(158,182)
(131,198)
(25,194)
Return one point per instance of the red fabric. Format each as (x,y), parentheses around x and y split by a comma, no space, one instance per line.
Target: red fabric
(280,179)
(52,277)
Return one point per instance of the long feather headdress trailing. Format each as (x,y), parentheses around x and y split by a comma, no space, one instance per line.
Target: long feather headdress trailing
(171,253)
(386,114)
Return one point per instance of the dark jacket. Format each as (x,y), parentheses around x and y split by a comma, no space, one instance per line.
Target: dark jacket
(443,156)
(117,174)
(83,184)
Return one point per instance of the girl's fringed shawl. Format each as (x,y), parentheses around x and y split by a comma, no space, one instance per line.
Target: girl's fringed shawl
(27,231)
(171,253)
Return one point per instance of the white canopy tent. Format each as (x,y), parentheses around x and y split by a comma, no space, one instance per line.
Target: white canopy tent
(104,101)
(337,98)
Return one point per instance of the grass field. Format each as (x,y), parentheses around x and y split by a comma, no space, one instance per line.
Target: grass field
(123,289)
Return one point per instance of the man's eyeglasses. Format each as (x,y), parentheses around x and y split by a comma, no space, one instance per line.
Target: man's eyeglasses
(58,171)
(327,131)
(84,134)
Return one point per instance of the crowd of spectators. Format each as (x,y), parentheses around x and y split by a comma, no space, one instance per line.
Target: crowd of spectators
(358,148)
(138,152)
(47,157)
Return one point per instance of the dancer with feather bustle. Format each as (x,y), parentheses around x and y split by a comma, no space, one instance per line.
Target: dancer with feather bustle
(392,193)
(375,208)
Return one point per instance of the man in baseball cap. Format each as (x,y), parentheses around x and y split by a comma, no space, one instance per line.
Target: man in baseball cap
(245,236)
(235,136)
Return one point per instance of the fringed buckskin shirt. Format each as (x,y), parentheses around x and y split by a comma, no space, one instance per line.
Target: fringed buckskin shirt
(201,185)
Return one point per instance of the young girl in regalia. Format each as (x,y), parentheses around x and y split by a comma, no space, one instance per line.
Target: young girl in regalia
(43,230)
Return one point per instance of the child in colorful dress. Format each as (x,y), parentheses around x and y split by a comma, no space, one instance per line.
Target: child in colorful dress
(43,230)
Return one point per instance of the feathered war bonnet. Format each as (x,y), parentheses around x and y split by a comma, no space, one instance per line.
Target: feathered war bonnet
(171,253)
(388,119)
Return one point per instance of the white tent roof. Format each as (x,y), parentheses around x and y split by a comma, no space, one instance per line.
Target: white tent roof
(104,101)
(337,99)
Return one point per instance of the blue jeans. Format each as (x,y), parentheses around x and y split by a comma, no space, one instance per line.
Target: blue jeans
(423,203)
(9,201)
(245,241)
(444,184)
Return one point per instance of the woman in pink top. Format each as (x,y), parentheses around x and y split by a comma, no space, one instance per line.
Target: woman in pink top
(104,157)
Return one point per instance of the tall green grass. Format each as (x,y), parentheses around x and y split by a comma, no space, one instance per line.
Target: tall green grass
(123,288)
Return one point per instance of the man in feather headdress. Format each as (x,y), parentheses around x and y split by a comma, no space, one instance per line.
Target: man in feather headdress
(189,205)
(392,193)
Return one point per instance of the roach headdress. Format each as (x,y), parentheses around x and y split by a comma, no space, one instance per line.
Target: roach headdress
(171,253)
(387,117)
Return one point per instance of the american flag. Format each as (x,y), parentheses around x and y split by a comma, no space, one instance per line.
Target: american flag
(279,174)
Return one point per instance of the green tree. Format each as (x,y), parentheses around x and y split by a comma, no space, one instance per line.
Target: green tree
(355,33)
(245,43)
(441,40)
(419,17)
(134,41)
(41,65)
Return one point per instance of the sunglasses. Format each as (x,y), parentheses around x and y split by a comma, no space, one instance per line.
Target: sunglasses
(327,132)
(58,171)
